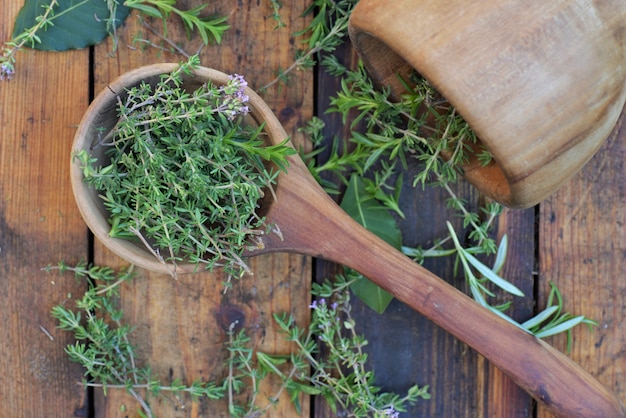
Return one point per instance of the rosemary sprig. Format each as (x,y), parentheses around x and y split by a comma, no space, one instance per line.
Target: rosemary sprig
(550,321)
(209,28)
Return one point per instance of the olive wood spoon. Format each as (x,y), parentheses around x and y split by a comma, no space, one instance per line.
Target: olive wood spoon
(312,223)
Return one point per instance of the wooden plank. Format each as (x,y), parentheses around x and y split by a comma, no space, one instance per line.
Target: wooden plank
(39,225)
(501,396)
(180,323)
(582,246)
(404,347)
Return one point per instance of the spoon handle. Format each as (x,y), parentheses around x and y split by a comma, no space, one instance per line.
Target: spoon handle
(314,224)
(545,373)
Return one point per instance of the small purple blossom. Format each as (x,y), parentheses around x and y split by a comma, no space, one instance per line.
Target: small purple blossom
(238,80)
(391,412)
(317,303)
(235,98)
(6,71)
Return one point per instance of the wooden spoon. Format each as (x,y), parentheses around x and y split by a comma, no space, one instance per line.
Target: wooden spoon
(312,223)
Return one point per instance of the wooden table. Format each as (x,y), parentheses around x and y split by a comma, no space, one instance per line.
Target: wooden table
(575,239)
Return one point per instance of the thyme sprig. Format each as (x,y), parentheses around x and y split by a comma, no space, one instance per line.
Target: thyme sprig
(29,37)
(341,376)
(187,173)
(104,350)
(326,31)
(209,28)
(102,345)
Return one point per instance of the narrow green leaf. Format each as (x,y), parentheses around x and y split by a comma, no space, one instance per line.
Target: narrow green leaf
(540,317)
(505,317)
(491,276)
(270,362)
(148,10)
(304,388)
(561,327)
(77,23)
(501,255)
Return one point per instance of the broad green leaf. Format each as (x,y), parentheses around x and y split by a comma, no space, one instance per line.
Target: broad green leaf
(372,215)
(75,24)
(376,218)
(371,294)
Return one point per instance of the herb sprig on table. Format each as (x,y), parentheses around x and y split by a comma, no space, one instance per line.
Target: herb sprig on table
(52,25)
(103,347)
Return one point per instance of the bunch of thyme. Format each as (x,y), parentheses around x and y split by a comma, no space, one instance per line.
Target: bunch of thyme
(186,173)
(102,347)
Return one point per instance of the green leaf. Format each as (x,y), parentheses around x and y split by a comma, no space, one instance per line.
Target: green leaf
(303,387)
(148,10)
(562,327)
(498,264)
(76,23)
(491,276)
(371,294)
(376,218)
(539,318)
(372,215)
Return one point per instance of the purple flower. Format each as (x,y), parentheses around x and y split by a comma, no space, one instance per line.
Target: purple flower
(317,303)
(235,99)
(6,71)
(390,412)
(238,80)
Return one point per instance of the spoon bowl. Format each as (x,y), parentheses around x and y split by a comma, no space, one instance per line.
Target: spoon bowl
(312,223)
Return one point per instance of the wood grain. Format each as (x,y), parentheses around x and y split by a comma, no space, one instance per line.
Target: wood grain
(580,247)
(582,250)
(181,324)
(39,225)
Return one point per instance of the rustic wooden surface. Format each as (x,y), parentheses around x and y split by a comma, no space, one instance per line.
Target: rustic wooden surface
(576,239)
(39,224)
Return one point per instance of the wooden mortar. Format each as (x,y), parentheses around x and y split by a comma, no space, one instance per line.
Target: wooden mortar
(542,83)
